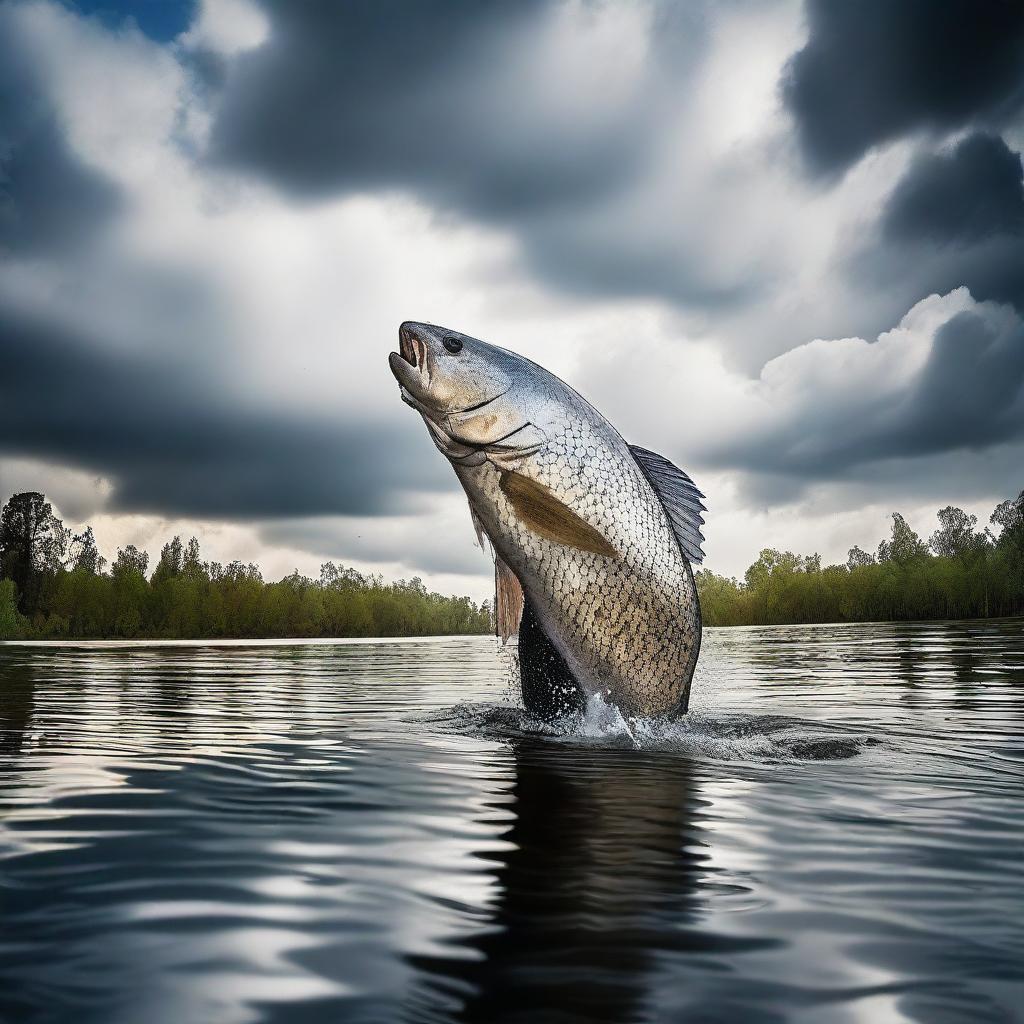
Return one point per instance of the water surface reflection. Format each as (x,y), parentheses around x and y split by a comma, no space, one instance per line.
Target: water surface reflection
(603,873)
(368,832)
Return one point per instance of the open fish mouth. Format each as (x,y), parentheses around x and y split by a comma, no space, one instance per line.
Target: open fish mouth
(409,365)
(411,348)
(411,354)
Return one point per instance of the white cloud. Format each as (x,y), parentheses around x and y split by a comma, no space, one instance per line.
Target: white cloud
(226,26)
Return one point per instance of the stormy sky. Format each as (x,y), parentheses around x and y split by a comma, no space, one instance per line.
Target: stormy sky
(780,243)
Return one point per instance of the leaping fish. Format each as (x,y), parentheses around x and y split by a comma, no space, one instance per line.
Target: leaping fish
(592,537)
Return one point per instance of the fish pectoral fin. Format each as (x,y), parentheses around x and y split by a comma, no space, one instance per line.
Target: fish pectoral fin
(508,600)
(478,528)
(540,511)
(679,497)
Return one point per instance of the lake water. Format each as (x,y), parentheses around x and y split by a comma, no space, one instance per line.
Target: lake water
(372,832)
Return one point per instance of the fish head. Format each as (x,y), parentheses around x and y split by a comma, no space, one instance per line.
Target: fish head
(476,399)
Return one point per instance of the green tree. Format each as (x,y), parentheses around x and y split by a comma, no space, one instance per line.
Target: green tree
(83,555)
(191,564)
(903,546)
(858,557)
(130,560)
(956,536)
(12,625)
(1008,568)
(172,559)
(33,542)
(130,593)
(1009,517)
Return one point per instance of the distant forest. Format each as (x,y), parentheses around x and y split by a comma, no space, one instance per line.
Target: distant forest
(55,585)
(961,572)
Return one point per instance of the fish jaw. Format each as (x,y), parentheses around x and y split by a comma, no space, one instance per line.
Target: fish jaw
(408,375)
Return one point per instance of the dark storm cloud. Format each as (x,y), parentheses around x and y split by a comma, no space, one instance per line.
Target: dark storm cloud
(971,193)
(49,200)
(175,441)
(968,395)
(874,70)
(955,218)
(443,100)
(344,96)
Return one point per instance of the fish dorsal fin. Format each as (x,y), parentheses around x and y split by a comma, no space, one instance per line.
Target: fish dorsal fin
(680,498)
(542,512)
(508,600)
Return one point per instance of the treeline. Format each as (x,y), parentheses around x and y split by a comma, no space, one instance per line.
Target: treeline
(961,572)
(55,585)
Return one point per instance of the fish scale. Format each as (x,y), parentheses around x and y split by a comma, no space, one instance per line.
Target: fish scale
(601,555)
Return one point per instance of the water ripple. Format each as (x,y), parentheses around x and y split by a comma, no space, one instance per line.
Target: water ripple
(375,831)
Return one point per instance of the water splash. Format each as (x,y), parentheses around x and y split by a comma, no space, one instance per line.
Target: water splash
(709,735)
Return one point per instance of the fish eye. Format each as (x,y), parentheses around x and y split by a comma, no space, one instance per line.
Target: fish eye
(452,344)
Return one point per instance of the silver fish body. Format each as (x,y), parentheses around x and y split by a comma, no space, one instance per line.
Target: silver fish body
(569,509)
